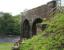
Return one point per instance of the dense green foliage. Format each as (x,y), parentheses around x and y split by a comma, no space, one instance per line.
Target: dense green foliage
(17,24)
(50,39)
(9,24)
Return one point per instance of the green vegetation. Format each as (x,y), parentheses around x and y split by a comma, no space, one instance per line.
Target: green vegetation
(17,24)
(9,25)
(6,46)
(50,39)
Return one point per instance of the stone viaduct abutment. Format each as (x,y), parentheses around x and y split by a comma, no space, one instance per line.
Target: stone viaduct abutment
(34,16)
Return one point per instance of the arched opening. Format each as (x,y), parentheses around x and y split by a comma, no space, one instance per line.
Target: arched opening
(34,27)
(26,29)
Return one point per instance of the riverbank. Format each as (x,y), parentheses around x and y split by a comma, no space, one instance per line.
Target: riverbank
(6,46)
(7,42)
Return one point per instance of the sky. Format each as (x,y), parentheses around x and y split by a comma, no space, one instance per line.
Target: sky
(16,6)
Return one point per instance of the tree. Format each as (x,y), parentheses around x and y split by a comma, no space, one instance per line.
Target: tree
(10,24)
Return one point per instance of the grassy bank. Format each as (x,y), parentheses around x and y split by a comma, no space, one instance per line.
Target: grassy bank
(6,46)
(51,39)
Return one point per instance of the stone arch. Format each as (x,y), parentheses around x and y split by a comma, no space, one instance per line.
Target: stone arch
(26,29)
(34,27)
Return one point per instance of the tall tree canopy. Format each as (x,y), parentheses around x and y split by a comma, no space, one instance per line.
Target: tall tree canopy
(9,24)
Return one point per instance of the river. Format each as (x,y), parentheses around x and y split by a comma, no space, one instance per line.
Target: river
(9,38)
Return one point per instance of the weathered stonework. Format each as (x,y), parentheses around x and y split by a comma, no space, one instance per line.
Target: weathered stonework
(34,16)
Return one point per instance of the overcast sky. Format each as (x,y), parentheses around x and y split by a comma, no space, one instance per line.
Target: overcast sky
(16,6)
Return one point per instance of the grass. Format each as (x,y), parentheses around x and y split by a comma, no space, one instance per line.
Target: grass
(6,46)
(51,39)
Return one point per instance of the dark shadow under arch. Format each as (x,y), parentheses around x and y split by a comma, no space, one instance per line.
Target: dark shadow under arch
(34,27)
(26,29)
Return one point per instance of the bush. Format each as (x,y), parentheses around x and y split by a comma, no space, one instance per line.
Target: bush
(51,39)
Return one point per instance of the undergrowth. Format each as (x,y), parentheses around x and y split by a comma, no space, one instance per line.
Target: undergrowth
(52,38)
